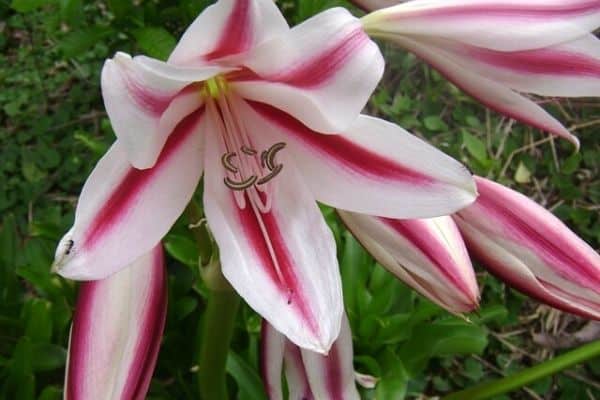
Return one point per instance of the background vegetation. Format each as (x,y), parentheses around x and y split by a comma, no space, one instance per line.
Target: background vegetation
(53,128)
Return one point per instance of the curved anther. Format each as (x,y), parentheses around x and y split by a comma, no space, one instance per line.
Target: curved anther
(226,161)
(248,151)
(245,184)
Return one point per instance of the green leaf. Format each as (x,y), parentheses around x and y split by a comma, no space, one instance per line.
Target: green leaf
(441,339)
(185,306)
(182,248)
(245,376)
(27,5)
(155,42)
(393,383)
(48,357)
(80,41)
(475,147)
(51,393)
(435,123)
(38,319)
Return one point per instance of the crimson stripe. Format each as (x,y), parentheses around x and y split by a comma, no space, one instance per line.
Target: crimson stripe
(504,10)
(294,354)
(316,71)
(153,102)
(134,182)
(417,233)
(148,346)
(82,327)
(333,373)
(288,283)
(540,61)
(547,245)
(443,68)
(531,289)
(236,36)
(345,152)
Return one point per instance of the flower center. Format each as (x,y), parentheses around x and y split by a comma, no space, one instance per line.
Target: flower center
(249,168)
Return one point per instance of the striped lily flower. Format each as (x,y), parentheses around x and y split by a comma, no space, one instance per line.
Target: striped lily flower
(116,332)
(495,50)
(309,375)
(270,116)
(525,245)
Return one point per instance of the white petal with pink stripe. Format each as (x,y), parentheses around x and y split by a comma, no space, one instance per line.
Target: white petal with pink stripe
(322,71)
(427,254)
(531,249)
(124,212)
(116,332)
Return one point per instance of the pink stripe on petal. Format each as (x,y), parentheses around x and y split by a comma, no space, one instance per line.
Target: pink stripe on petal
(318,70)
(348,154)
(117,350)
(539,290)
(422,238)
(279,265)
(236,36)
(537,11)
(125,194)
(149,346)
(152,101)
(494,95)
(334,378)
(530,232)
(540,61)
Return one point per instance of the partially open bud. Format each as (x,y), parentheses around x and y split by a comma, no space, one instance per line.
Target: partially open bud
(525,245)
(309,375)
(116,332)
(427,254)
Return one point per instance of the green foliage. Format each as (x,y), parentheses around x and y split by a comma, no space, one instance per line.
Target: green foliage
(53,129)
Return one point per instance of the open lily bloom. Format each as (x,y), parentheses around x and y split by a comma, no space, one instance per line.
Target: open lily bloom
(427,254)
(309,375)
(529,248)
(116,332)
(271,115)
(496,49)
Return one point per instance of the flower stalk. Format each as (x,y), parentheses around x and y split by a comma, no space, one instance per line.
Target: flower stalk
(526,376)
(214,334)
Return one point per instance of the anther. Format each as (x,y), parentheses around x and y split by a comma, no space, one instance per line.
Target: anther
(245,184)
(226,161)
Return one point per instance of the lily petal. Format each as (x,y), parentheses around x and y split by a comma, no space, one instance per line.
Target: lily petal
(227,28)
(427,254)
(531,249)
(123,212)
(492,94)
(398,174)
(332,376)
(505,25)
(309,375)
(281,259)
(296,374)
(116,332)
(569,69)
(145,99)
(322,71)
(272,350)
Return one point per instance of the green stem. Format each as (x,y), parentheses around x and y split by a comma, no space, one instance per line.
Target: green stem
(216,332)
(526,376)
